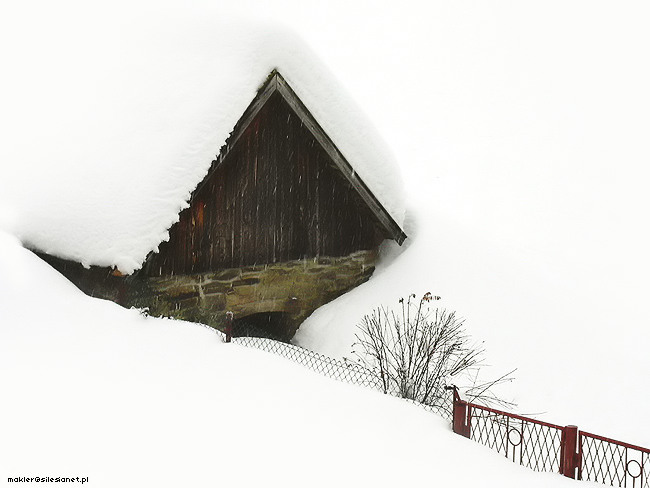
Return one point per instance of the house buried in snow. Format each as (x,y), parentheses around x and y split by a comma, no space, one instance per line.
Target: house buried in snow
(280,225)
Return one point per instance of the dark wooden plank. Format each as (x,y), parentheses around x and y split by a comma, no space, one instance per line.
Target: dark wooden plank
(339,159)
(278,196)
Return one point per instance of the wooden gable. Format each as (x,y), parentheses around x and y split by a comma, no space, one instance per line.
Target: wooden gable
(279,191)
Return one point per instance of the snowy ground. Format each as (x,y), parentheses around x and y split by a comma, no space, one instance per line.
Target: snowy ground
(521,130)
(92,390)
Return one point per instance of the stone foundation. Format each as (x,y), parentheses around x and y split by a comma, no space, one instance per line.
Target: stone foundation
(293,288)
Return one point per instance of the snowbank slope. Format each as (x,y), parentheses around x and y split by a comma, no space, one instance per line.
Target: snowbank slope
(90,389)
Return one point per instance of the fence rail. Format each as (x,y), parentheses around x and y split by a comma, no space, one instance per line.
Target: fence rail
(543,446)
(531,443)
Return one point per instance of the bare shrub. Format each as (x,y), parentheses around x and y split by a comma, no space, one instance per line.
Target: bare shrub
(416,352)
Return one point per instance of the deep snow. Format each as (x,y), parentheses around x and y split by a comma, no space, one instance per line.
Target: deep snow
(521,132)
(93,390)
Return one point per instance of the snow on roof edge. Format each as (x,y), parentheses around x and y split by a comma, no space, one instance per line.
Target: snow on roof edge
(108,195)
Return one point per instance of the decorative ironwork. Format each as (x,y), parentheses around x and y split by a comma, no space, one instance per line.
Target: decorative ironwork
(548,447)
(613,462)
(531,443)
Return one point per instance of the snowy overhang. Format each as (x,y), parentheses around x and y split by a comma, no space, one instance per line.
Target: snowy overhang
(107,149)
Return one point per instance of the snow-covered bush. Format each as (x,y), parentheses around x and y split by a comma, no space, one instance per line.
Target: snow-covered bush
(416,352)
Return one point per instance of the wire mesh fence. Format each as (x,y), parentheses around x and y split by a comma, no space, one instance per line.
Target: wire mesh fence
(529,442)
(345,370)
(342,370)
(613,462)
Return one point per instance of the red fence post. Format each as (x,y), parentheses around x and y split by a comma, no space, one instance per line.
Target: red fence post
(570,458)
(462,417)
(228,326)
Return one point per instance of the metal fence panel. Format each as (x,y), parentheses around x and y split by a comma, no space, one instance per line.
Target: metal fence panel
(529,442)
(614,462)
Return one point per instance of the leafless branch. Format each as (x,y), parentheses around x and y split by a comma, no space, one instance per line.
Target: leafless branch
(417,352)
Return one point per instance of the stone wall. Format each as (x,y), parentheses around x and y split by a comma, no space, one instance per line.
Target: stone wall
(295,288)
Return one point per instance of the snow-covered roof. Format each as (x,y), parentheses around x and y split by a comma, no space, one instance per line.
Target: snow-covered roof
(111,125)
